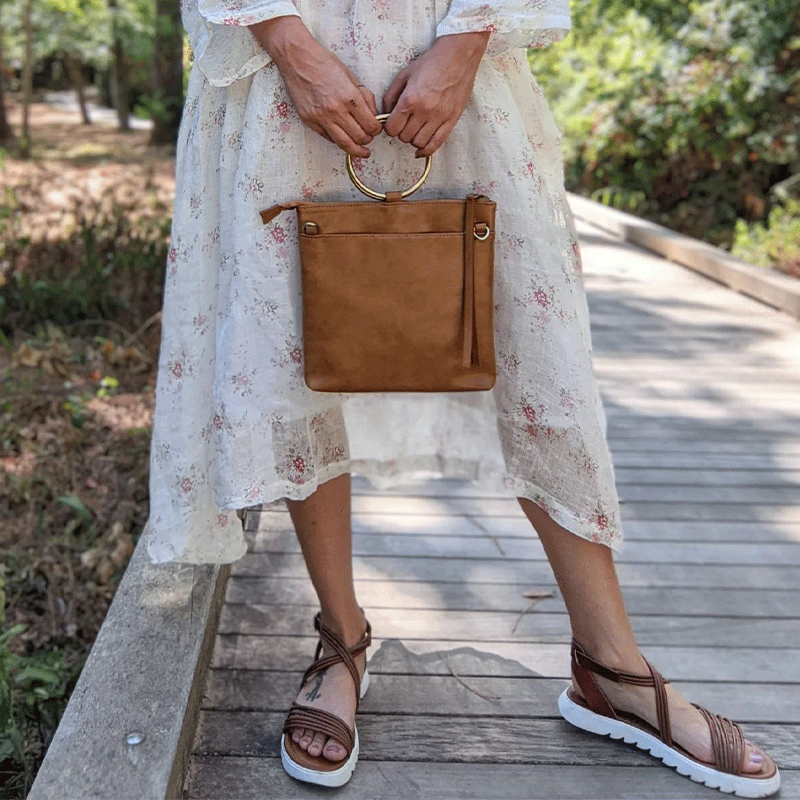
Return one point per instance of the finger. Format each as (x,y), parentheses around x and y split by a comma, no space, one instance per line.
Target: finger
(345,142)
(425,134)
(394,91)
(437,140)
(370,99)
(364,114)
(412,127)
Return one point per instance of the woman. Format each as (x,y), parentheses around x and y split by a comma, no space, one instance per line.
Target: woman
(278,93)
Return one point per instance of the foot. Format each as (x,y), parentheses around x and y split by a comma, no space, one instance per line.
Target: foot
(689,728)
(331,690)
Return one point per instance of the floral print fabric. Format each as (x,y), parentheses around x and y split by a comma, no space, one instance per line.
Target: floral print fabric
(235,424)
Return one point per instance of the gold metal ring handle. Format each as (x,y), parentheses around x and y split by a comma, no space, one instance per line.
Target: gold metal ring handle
(362,187)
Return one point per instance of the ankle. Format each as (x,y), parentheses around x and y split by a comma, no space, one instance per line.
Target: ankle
(622,657)
(349,624)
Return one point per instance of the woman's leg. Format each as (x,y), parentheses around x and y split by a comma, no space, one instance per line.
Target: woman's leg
(588,582)
(322,524)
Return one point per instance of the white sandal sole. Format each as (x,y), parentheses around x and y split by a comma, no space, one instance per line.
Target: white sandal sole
(741,786)
(332,778)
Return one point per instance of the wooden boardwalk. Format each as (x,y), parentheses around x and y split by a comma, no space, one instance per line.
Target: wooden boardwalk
(702,391)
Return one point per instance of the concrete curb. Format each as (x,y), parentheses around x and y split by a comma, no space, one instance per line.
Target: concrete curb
(145,675)
(761,283)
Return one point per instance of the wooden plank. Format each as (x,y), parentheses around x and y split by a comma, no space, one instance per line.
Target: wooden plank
(495,740)
(765,478)
(497,626)
(511,597)
(516,571)
(549,660)
(663,485)
(492,507)
(461,525)
(751,462)
(260,690)
(488,547)
(212,777)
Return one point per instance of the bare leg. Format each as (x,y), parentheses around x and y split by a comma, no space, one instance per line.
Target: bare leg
(588,581)
(322,524)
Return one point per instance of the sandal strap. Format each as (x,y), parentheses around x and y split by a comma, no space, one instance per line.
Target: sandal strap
(584,668)
(341,654)
(316,719)
(727,742)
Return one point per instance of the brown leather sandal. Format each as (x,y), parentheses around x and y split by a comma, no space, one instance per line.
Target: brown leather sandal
(296,761)
(593,712)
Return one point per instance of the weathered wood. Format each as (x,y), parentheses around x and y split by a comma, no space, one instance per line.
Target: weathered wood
(733,664)
(496,626)
(512,598)
(708,472)
(516,571)
(256,778)
(488,547)
(496,740)
(378,524)
(260,690)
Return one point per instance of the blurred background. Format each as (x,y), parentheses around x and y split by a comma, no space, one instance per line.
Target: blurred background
(686,113)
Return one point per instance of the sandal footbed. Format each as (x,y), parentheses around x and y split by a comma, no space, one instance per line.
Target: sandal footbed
(302,758)
(638,722)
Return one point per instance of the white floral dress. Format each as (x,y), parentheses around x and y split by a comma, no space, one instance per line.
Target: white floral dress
(235,424)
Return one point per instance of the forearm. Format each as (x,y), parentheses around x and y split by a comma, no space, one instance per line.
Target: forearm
(282,37)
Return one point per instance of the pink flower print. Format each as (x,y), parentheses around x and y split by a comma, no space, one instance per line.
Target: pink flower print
(232,21)
(222,520)
(278,234)
(567,400)
(531,431)
(490,27)
(176,368)
(187,485)
(218,422)
(296,354)
(299,463)
(602,521)
(173,255)
(283,109)
(541,298)
(530,413)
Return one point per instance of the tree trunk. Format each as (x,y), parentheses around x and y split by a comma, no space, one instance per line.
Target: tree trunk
(167,72)
(76,79)
(6,132)
(27,76)
(119,76)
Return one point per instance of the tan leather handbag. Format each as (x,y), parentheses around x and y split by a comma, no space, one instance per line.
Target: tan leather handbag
(397,296)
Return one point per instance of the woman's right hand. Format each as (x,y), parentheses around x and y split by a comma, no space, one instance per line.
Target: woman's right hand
(326,94)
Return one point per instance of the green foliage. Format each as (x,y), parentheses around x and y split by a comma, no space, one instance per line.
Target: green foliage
(109,267)
(685,113)
(776,242)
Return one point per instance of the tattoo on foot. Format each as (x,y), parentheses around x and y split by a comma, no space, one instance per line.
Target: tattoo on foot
(315,689)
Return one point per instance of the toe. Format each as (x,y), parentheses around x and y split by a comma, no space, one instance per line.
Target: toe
(334,751)
(305,739)
(753,759)
(317,743)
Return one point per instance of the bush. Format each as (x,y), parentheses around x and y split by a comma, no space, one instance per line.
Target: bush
(686,115)
(777,242)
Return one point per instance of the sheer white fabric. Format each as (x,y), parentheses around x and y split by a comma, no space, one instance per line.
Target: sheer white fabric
(235,424)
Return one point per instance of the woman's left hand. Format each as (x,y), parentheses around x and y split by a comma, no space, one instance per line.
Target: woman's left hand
(427,98)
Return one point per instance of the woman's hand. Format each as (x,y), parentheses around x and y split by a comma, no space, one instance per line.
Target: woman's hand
(427,98)
(326,94)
